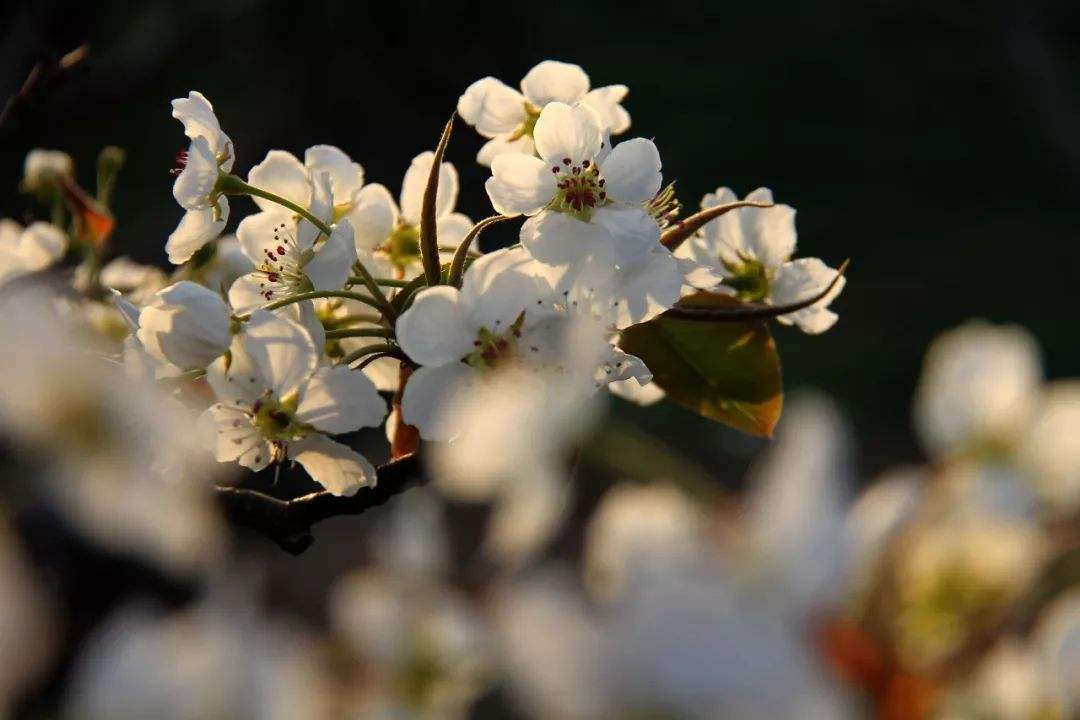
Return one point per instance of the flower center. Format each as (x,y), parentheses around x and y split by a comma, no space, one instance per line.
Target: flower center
(750,280)
(274,418)
(495,349)
(528,125)
(282,266)
(579,188)
(403,246)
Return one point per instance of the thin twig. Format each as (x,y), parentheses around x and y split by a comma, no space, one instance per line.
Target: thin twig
(752,311)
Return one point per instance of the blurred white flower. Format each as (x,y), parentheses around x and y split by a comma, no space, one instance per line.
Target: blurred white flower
(509,117)
(954,572)
(641,534)
(794,543)
(290,255)
(979,389)
(215,660)
(28,250)
(42,170)
(514,440)
(119,456)
(689,647)
(276,402)
(185,325)
(582,199)
(210,152)
(422,647)
(747,252)
(27,633)
(134,280)
(1050,450)
(388,236)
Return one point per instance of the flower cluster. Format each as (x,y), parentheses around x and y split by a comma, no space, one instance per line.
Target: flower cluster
(337,314)
(332,291)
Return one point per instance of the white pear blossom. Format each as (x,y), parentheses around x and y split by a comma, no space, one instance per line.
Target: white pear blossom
(275,402)
(219,659)
(582,199)
(185,325)
(118,455)
(747,252)
(28,250)
(388,234)
(291,256)
(509,117)
(979,388)
(1050,453)
(515,432)
(210,153)
(134,280)
(505,314)
(43,168)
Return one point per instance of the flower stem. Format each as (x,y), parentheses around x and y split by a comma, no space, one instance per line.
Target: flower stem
(314,295)
(369,349)
(384,282)
(359,332)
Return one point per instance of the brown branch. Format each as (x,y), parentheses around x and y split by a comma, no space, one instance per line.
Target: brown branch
(674,236)
(288,522)
(752,311)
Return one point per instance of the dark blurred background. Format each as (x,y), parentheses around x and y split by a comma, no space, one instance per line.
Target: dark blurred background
(936,144)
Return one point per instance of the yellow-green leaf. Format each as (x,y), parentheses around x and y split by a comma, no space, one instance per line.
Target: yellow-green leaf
(726,371)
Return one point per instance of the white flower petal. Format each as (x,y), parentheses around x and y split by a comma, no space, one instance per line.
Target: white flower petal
(415,182)
(632,171)
(647,290)
(435,330)
(255,233)
(372,216)
(525,519)
(800,279)
(554,81)
(196,181)
(322,207)
(346,176)
(281,349)
(338,468)
(498,286)
(234,435)
(453,228)
(333,260)
(563,132)
(186,325)
(40,245)
(501,145)
(282,174)
(197,115)
(633,391)
(605,103)
(235,379)
(196,228)
(557,238)
(634,232)
(1051,450)
(245,294)
(426,392)
(339,400)
(519,184)
(492,107)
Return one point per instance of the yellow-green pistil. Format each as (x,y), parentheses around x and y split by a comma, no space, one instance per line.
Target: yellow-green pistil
(494,350)
(750,280)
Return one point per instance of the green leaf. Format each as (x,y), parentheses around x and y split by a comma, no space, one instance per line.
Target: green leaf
(726,371)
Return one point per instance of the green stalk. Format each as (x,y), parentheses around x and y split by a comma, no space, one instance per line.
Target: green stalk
(368,350)
(359,332)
